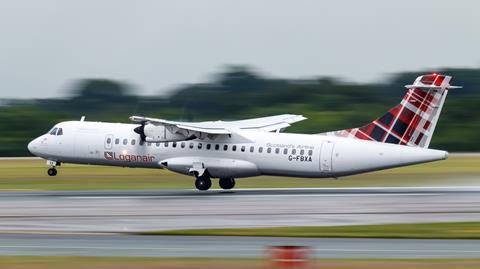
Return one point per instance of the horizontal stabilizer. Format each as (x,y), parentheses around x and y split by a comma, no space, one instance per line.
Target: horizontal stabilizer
(431,87)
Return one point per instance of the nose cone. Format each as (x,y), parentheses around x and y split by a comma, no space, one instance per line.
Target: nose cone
(33,146)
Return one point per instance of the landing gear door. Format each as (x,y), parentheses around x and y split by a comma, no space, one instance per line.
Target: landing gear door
(326,154)
(108,141)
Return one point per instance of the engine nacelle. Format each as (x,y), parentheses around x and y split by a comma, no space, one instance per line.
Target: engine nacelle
(216,167)
(159,133)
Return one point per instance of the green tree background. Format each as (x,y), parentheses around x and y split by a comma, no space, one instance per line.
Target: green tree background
(241,92)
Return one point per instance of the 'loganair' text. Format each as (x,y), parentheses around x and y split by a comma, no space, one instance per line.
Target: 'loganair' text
(128,157)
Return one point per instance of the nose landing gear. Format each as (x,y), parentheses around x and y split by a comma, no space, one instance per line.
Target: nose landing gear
(52,172)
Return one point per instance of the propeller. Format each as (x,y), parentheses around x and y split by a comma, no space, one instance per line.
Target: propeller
(141,131)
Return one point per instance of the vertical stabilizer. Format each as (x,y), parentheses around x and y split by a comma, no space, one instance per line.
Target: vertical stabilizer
(413,121)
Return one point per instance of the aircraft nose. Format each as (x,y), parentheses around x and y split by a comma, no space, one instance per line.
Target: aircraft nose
(32,146)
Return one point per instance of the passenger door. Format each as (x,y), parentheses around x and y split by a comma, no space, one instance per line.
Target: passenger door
(326,155)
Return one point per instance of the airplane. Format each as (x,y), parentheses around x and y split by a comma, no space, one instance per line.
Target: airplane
(246,148)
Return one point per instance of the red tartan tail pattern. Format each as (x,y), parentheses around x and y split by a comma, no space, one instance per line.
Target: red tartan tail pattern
(411,122)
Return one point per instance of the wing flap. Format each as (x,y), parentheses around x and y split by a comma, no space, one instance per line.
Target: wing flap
(216,131)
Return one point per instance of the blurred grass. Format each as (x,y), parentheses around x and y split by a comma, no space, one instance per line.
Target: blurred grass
(452,230)
(60,262)
(23,262)
(20,174)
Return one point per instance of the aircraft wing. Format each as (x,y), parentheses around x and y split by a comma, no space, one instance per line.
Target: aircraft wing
(269,124)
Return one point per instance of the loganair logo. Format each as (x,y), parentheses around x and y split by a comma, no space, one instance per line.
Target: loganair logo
(112,156)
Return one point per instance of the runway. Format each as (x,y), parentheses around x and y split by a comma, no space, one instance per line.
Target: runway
(237,247)
(128,211)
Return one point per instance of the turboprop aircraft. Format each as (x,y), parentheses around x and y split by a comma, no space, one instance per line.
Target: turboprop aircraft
(253,147)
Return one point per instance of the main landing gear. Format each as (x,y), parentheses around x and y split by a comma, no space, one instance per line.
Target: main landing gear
(227,183)
(203,182)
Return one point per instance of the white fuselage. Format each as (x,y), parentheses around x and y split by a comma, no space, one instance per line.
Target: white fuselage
(243,154)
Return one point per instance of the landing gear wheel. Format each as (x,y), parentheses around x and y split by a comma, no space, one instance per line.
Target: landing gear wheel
(227,183)
(52,172)
(203,183)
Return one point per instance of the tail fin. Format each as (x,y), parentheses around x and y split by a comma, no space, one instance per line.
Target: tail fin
(411,122)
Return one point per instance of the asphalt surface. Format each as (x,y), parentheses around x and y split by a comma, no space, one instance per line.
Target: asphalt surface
(71,213)
(127,211)
(239,247)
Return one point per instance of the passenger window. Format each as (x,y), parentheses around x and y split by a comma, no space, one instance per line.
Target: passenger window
(234,148)
(252,149)
(157,144)
(182,145)
(217,146)
(310,152)
(285,151)
(294,151)
(133,142)
(242,149)
(141,142)
(269,150)
(166,144)
(174,144)
(302,152)
(53,131)
(149,144)
(199,145)
(191,145)
(109,140)
(260,149)
(125,141)
(60,131)
(209,146)
(225,147)
(117,141)
(277,150)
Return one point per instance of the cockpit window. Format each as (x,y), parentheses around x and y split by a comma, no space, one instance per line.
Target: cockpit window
(60,131)
(53,131)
